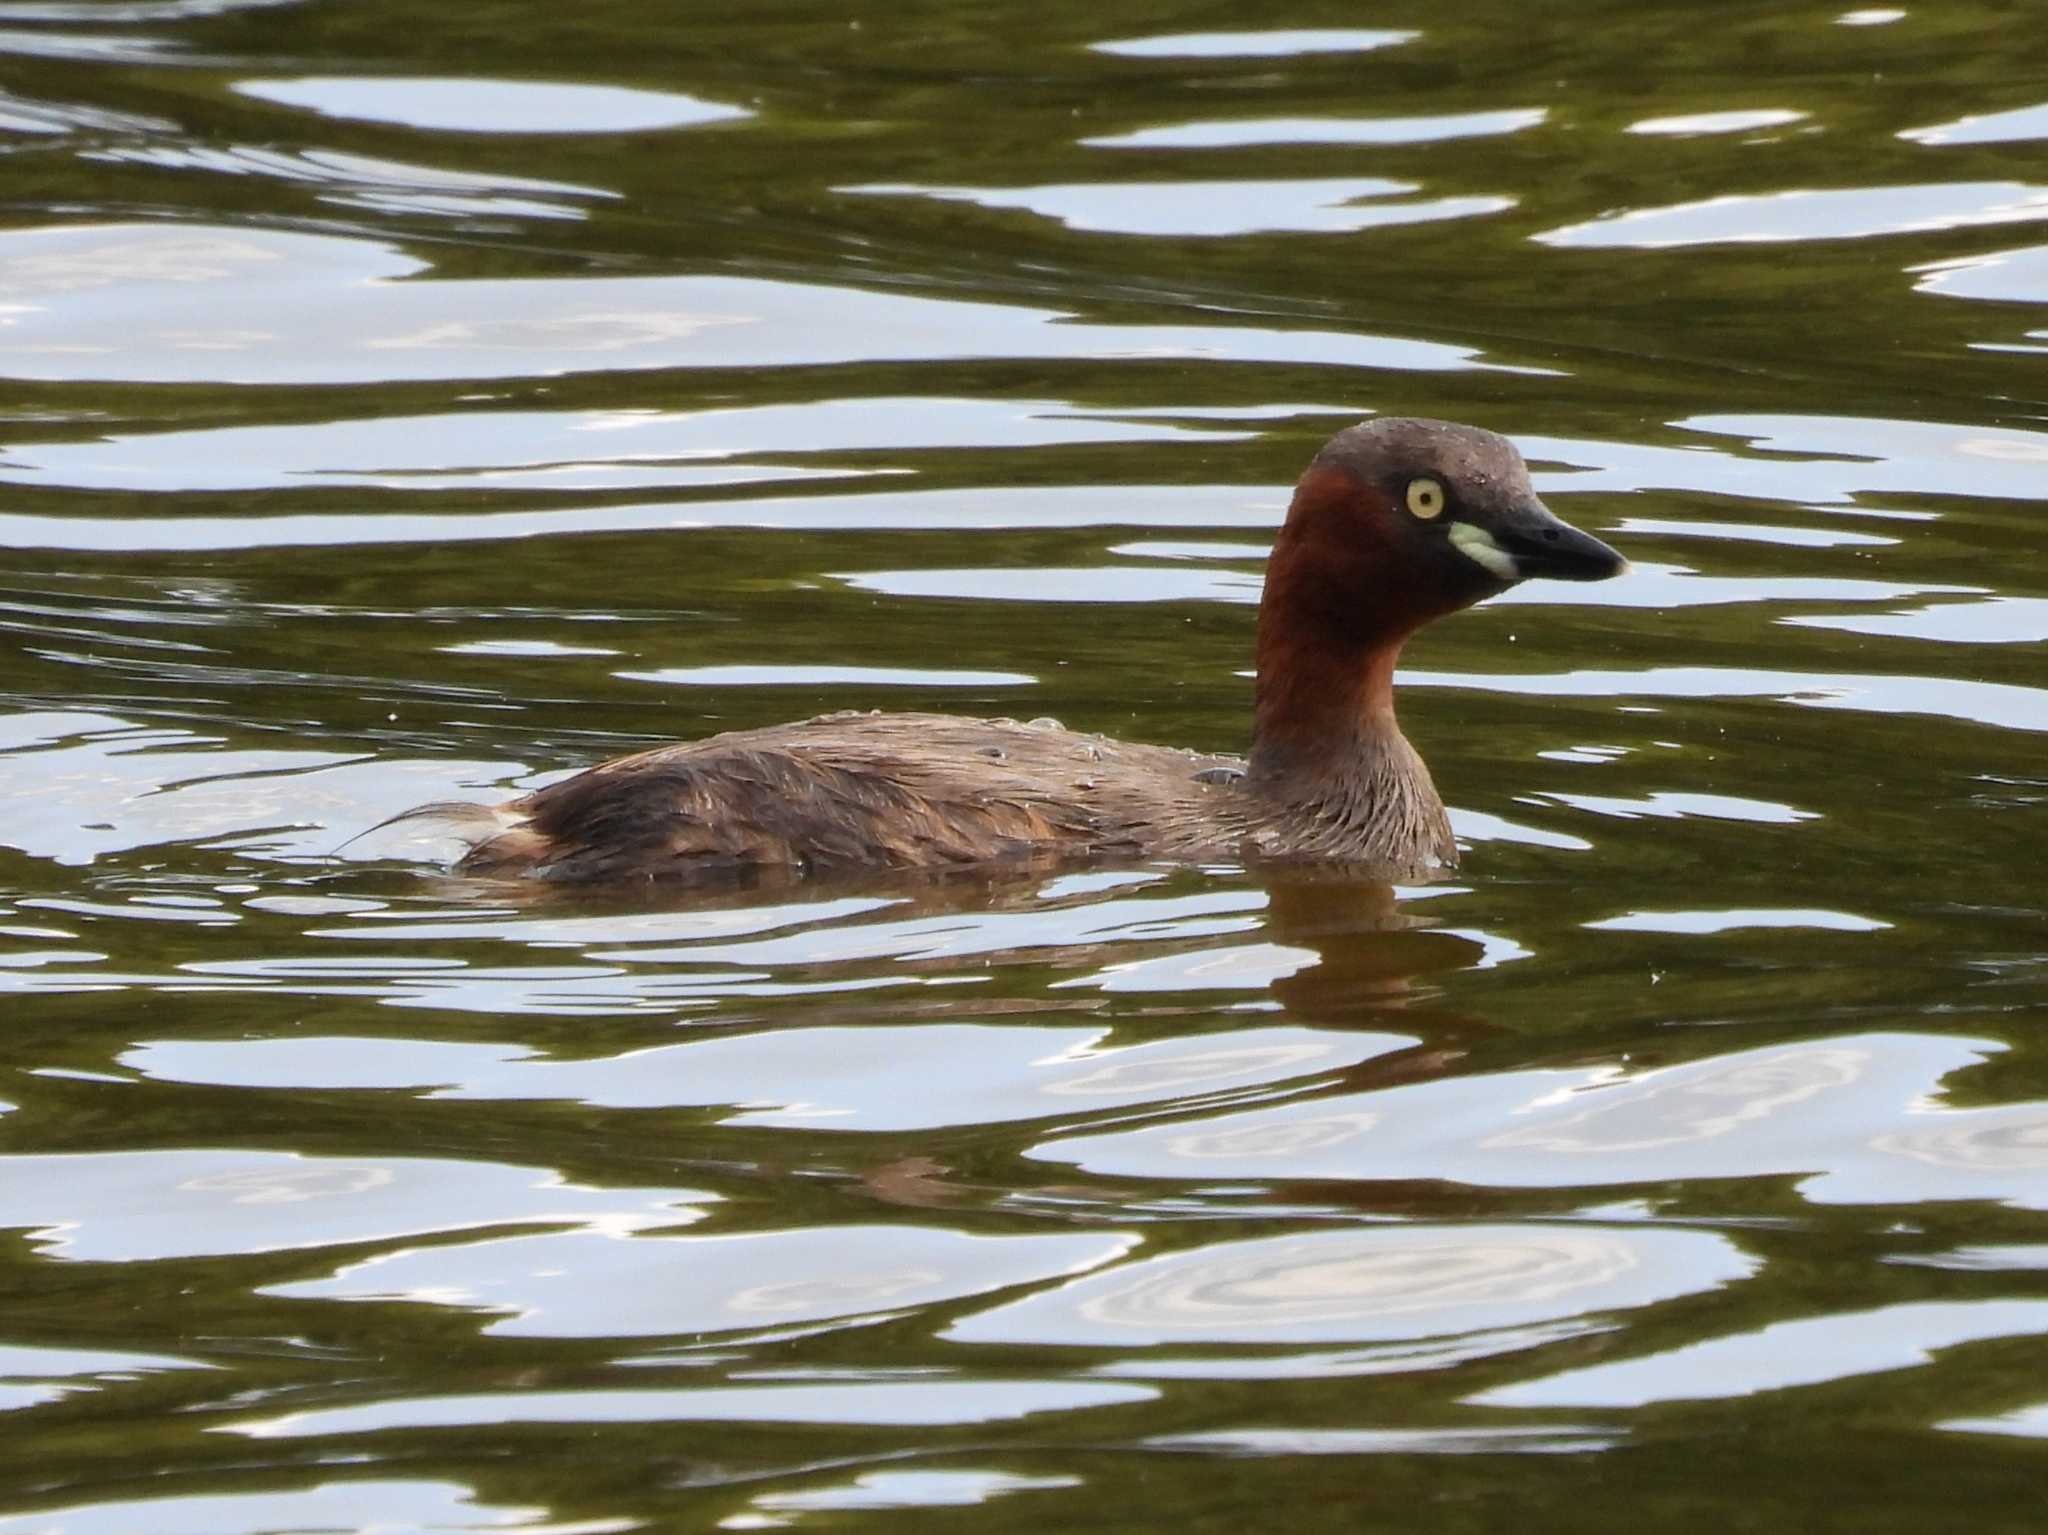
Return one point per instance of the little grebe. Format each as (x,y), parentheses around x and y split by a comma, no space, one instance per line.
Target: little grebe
(1396,522)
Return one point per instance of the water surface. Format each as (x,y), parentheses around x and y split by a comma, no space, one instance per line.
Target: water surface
(402,406)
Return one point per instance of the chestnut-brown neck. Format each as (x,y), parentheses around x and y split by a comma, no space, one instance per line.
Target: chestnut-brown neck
(1335,614)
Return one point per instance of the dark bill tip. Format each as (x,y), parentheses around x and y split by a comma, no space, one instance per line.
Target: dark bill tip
(1542,545)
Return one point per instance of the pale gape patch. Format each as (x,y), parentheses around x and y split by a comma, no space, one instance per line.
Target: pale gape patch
(1477,545)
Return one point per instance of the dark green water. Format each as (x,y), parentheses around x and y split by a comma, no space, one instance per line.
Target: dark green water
(406,402)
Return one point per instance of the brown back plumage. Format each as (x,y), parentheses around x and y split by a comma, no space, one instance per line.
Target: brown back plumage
(854,790)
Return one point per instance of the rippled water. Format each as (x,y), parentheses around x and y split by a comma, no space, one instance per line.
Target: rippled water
(417,404)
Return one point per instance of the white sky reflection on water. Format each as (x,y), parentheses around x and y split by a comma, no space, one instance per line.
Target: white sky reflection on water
(1406,1282)
(446,1508)
(185,303)
(815,676)
(1835,213)
(597,1284)
(1993,621)
(1688,124)
(1226,133)
(2020,124)
(1733,921)
(2014,276)
(1254,45)
(821,1078)
(462,104)
(126,1206)
(1857,1118)
(2007,706)
(369,182)
(1212,208)
(1805,1352)
(914,1403)
(567,450)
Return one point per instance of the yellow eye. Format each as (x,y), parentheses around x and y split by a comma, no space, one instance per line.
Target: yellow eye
(1425,498)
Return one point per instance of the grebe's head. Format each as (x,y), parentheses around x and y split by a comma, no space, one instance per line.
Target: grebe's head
(1404,520)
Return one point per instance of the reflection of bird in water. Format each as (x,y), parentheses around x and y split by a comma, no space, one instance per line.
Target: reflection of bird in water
(1396,523)
(1364,952)
(1336,952)
(1371,953)
(1372,960)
